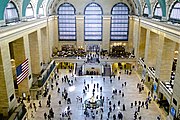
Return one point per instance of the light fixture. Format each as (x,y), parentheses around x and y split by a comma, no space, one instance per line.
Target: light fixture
(176,52)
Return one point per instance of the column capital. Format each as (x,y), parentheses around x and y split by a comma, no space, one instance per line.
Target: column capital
(149,16)
(79,16)
(2,23)
(37,16)
(163,19)
(24,19)
(106,16)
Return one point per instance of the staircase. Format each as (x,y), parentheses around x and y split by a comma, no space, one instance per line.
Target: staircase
(107,70)
(78,70)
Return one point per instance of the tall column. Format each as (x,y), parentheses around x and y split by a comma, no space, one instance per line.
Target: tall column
(80,30)
(39,41)
(7,92)
(136,37)
(56,39)
(27,54)
(142,42)
(147,46)
(35,52)
(51,29)
(176,95)
(45,46)
(19,57)
(165,58)
(106,32)
(130,37)
(152,47)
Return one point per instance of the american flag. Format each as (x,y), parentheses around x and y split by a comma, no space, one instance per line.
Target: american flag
(22,71)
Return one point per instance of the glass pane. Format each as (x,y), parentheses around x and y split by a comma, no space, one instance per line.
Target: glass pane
(41,11)
(29,11)
(146,11)
(11,13)
(119,22)
(158,11)
(93,22)
(175,12)
(67,22)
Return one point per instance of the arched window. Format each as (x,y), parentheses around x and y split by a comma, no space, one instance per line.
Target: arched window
(93,22)
(11,13)
(67,22)
(145,11)
(175,13)
(41,11)
(158,11)
(29,11)
(119,22)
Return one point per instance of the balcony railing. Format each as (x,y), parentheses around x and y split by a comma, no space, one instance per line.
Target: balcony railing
(150,71)
(46,74)
(166,92)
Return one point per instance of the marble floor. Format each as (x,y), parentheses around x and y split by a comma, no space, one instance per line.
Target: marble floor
(131,94)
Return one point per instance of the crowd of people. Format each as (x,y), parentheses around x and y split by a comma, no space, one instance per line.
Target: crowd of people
(115,108)
(79,52)
(93,57)
(92,72)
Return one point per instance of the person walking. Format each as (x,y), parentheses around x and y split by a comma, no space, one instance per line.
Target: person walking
(32,114)
(45,116)
(124,108)
(114,107)
(40,104)
(119,103)
(109,114)
(114,117)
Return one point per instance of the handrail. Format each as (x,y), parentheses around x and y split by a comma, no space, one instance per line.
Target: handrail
(6,31)
(141,62)
(18,113)
(75,69)
(45,75)
(102,69)
(163,89)
(162,25)
(150,72)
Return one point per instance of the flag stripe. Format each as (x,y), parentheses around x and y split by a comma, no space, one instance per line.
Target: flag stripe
(23,78)
(23,75)
(22,71)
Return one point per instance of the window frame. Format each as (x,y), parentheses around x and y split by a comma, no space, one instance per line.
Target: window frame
(41,7)
(93,23)
(12,20)
(120,23)
(31,7)
(63,23)
(145,14)
(155,8)
(173,20)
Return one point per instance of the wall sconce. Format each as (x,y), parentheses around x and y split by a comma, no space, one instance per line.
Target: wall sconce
(176,52)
